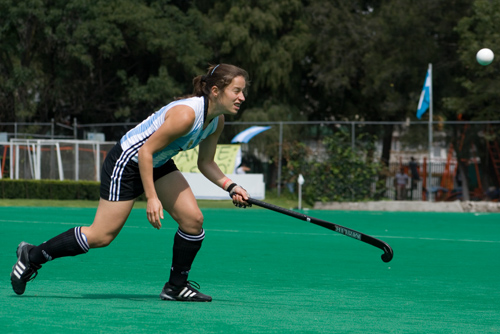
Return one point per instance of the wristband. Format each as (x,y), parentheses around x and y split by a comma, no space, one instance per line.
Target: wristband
(231,186)
(225,182)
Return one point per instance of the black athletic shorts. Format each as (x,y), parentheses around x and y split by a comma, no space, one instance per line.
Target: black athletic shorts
(123,182)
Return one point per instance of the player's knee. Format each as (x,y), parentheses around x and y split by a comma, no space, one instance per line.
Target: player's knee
(197,222)
(192,225)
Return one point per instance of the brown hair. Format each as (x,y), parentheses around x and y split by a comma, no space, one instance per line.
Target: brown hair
(220,75)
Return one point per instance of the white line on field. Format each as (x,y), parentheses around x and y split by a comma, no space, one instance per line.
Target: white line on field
(146,226)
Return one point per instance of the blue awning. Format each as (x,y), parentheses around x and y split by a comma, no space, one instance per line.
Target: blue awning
(246,135)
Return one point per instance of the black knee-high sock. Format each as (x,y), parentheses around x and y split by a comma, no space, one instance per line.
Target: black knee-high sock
(70,243)
(186,246)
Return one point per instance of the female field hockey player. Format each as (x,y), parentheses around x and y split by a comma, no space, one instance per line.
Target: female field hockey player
(141,162)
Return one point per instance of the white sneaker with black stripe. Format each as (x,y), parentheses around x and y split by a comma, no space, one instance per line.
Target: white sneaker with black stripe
(23,271)
(184,293)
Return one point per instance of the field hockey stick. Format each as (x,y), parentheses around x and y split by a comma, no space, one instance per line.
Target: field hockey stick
(386,257)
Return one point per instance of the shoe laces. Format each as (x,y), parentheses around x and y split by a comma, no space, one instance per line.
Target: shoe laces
(193,284)
(31,274)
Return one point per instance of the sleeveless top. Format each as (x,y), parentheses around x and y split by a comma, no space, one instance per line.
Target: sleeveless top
(132,141)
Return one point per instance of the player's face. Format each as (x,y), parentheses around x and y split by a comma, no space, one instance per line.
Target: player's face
(233,95)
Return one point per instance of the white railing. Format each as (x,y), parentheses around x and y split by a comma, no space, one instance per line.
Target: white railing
(39,158)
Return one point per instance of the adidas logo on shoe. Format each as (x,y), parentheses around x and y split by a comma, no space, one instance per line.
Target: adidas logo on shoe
(23,271)
(184,293)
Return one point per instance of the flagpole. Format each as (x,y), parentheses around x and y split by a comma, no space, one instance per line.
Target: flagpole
(429,179)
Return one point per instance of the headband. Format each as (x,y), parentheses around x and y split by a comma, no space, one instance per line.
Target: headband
(214,69)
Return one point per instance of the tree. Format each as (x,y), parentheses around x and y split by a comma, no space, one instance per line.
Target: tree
(476,98)
(346,174)
(271,40)
(370,57)
(268,38)
(97,60)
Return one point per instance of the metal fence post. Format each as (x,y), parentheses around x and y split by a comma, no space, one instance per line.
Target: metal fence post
(52,128)
(75,129)
(279,158)
(353,135)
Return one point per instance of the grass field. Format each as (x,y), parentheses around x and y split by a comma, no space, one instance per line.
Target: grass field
(267,273)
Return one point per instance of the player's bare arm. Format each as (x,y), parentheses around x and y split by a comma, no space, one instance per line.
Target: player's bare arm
(209,168)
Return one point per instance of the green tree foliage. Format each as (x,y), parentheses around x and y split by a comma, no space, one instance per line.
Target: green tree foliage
(119,60)
(308,60)
(478,98)
(345,174)
(97,60)
(270,38)
(370,57)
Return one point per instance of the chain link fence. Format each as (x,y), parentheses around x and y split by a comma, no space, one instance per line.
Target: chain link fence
(463,161)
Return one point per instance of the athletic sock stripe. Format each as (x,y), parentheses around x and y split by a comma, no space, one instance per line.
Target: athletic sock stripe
(190,237)
(81,240)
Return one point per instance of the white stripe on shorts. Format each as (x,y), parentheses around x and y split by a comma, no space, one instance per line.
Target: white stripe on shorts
(116,176)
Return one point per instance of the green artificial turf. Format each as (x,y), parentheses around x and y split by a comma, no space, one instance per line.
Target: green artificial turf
(266,273)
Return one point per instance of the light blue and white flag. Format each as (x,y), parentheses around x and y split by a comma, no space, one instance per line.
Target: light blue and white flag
(425,96)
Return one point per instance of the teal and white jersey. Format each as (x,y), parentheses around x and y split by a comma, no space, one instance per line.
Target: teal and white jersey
(132,141)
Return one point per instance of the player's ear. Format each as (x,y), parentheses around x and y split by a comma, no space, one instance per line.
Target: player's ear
(215,91)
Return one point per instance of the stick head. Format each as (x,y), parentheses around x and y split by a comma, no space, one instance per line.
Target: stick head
(388,254)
